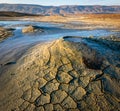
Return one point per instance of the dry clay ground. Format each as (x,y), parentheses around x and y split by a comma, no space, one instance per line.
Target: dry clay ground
(85,21)
(78,21)
(64,76)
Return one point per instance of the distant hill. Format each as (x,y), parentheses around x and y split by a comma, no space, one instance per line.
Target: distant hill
(14,14)
(58,10)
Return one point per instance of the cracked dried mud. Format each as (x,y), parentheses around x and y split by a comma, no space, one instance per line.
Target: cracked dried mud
(63,75)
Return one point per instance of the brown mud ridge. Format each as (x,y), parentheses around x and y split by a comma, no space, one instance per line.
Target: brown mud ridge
(5,33)
(69,74)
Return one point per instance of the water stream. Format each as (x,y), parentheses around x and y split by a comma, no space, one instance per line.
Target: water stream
(14,45)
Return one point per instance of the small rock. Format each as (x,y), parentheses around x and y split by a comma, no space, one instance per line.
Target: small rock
(28,29)
(31,29)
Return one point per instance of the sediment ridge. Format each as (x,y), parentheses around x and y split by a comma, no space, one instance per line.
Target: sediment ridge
(69,74)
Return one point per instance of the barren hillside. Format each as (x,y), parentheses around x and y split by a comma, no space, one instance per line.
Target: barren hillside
(58,10)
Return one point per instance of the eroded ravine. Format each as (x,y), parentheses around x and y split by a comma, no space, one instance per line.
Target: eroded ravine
(63,75)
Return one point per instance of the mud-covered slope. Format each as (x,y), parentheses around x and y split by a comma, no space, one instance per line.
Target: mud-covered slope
(63,75)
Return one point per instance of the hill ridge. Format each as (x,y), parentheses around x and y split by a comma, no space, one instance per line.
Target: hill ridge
(59,10)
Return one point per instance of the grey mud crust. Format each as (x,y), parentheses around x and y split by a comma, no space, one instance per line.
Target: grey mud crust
(63,75)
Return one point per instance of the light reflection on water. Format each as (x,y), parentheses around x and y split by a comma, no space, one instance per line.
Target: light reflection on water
(51,32)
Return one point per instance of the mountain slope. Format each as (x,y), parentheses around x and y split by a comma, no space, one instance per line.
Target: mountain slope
(14,14)
(63,10)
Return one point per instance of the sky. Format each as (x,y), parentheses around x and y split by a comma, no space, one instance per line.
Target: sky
(63,2)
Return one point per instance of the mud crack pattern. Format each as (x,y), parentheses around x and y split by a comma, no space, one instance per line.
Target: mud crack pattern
(54,77)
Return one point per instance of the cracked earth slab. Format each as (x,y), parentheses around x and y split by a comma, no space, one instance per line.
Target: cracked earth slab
(5,33)
(64,75)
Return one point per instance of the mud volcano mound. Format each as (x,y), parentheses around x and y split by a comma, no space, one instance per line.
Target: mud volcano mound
(69,74)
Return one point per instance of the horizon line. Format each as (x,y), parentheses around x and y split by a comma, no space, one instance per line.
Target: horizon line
(56,5)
